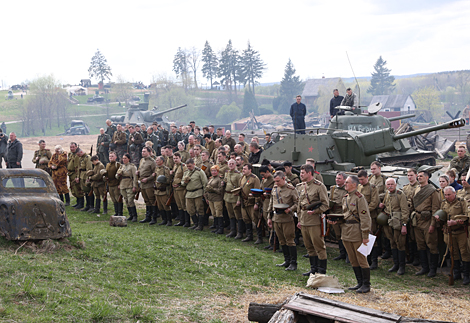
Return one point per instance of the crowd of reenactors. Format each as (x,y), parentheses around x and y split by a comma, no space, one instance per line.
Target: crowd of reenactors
(186,174)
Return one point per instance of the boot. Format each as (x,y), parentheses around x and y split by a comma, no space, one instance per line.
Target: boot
(259,232)
(285,251)
(433,265)
(121,210)
(401,262)
(342,251)
(249,232)
(365,288)
(313,266)
(187,220)
(134,211)
(148,216)
(395,261)
(293,258)
(347,259)
(416,261)
(61,196)
(154,214)
(116,211)
(411,251)
(233,228)
(164,218)
(243,227)
(374,258)
(358,274)
(105,207)
(457,270)
(88,203)
(215,225)
(97,206)
(131,215)
(195,222)
(322,266)
(181,218)
(200,226)
(220,228)
(388,250)
(423,258)
(240,229)
(169,222)
(466,273)
(76,202)
(67,199)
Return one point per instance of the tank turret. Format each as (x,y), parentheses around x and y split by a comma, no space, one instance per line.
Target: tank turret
(139,113)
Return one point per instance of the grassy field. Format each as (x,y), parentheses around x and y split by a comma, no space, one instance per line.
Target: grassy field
(164,274)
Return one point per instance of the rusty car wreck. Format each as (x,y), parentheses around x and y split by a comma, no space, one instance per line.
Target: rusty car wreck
(30,208)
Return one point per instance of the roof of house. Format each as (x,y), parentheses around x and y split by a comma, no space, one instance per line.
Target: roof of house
(390,101)
(312,86)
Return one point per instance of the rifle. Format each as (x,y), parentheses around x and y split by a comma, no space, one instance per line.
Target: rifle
(120,199)
(91,151)
(137,194)
(170,198)
(451,249)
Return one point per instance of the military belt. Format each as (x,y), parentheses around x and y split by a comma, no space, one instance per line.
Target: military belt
(125,177)
(197,189)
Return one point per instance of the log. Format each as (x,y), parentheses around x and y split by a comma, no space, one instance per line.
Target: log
(283,316)
(118,221)
(262,313)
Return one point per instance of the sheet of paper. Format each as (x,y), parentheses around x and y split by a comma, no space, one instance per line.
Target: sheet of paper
(366,250)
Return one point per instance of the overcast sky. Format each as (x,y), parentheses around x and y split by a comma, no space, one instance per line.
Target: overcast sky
(140,38)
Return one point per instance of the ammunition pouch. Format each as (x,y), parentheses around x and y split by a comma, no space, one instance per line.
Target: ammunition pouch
(425,215)
(161,188)
(395,221)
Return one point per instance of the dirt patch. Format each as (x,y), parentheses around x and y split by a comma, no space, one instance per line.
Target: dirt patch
(84,142)
(45,246)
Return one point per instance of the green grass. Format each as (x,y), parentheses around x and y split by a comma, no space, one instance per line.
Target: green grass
(152,273)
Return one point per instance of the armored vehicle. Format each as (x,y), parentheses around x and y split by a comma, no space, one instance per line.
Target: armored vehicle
(30,208)
(77,127)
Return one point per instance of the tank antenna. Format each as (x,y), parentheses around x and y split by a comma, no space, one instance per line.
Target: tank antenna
(357,83)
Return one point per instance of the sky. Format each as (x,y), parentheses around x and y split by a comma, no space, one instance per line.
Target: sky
(140,38)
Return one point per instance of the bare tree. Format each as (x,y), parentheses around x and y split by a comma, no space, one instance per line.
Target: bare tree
(194,61)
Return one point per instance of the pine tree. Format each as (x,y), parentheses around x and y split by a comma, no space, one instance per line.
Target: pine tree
(249,104)
(181,66)
(381,82)
(99,67)
(211,64)
(252,67)
(291,86)
(229,68)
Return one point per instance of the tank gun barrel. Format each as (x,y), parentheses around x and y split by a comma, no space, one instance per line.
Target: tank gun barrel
(406,116)
(456,123)
(169,110)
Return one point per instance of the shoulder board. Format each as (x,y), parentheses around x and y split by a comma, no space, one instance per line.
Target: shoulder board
(299,184)
(358,194)
(317,182)
(290,186)
(237,171)
(399,192)
(197,168)
(166,167)
(316,172)
(253,175)
(347,194)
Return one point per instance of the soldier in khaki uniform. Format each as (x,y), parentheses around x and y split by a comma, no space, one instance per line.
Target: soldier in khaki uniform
(184,154)
(461,161)
(42,157)
(162,191)
(102,146)
(194,179)
(119,142)
(247,201)
(396,207)
(425,203)
(222,163)
(371,194)
(310,221)
(337,193)
(97,184)
(293,178)
(134,145)
(232,181)
(267,182)
(146,175)
(179,190)
(127,174)
(84,165)
(316,174)
(209,144)
(284,193)
(73,173)
(206,164)
(409,190)
(239,162)
(58,166)
(355,229)
(214,195)
(245,146)
(170,163)
(113,183)
(457,222)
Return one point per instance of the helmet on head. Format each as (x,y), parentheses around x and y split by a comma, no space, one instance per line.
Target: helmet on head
(382,219)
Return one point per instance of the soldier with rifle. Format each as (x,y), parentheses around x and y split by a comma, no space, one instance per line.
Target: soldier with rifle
(312,191)
(179,191)
(283,202)
(127,175)
(98,185)
(231,182)
(247,201)
(112,183)
(455,232)
(162,192)
(73,173)
(102,146)
(146,175)
(85,165)
(337,193)
(409,190)
(42,157)
(194,180)
(119,142)
(267,183)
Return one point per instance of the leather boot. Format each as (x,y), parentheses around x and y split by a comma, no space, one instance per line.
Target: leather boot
(181,218)
(401,262)
(395,261)
(131,215)
(116,211)
(67,199)
(423,258)
(342,251)
(388,250)
(76,202)
(61,197)
(88,203)
(97,206)
(214,226)
(416,261)
(187,220)
(322,266)
(148,216)
(313,266)
(466,273)
(220,228)
(201,220)
(433,265)
(259,233)
(134,212)
(457,270)
(293,258)
(233,228)
(365,288)
(358,274)
(105,207)
(374,254)
(154,214)
(243,226)
(411,255)
(240,229)
(285,251)
(121,210)
(169,223)
(249,232)
(195,222)
(164,218)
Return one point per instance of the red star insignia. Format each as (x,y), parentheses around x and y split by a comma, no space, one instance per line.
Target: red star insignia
(310,149)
